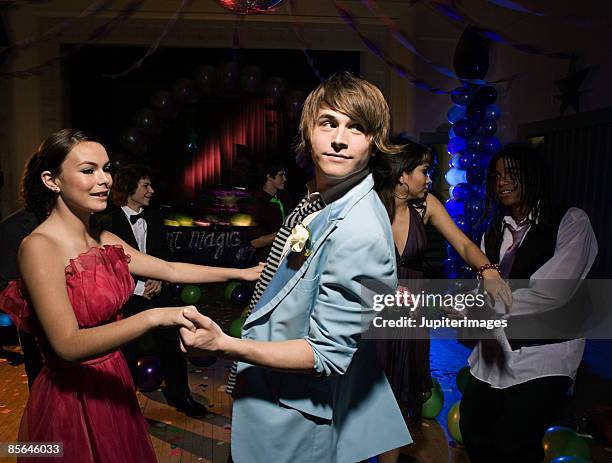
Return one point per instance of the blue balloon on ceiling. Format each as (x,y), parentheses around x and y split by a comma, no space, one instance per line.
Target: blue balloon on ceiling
(455,113)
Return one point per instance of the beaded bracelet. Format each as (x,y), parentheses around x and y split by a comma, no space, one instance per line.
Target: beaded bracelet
(486,267)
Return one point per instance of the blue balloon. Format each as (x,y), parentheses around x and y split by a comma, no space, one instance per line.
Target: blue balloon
(474,208)
(475,160)
(451,133)
(492,113)
(5,320)
(475,112)
(491,144)
(461,191)
(475,144)
(455,113)
(455,176)
(461,96)
(452,252)
(453,263)
(569,459)
(460,161)
(485,95)
(455,207)
(456,145)
(486,127)
(463,224)
(463,128)
(475,175)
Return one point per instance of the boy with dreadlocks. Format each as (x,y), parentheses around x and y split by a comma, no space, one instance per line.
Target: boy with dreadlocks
(517,385)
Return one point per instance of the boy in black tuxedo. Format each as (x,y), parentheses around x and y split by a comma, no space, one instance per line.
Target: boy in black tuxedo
(143,228)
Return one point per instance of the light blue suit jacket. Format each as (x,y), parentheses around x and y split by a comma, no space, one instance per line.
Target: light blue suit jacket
(346,412)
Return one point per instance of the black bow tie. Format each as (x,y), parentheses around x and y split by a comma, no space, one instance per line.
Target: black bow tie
(134,218)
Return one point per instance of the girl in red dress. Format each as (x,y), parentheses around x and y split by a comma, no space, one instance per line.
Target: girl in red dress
(75,280)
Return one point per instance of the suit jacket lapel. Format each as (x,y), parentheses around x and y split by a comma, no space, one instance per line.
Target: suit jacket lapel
(287,275)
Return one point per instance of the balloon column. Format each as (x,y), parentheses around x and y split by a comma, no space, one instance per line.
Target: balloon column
(473,118)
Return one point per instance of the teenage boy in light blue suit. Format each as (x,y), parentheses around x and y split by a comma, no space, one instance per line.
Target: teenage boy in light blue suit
(309,388)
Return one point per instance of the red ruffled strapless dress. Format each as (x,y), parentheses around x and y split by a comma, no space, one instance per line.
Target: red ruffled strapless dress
(90,407)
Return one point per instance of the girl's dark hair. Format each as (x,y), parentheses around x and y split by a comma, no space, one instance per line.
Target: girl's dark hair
(527,168)
(49,156)
(388,168)
(125,182)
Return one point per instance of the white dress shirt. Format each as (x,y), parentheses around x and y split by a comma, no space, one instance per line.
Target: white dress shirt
(140,233)
(575,251)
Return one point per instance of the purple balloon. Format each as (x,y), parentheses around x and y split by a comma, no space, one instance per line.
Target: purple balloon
(241,295)
(149,373)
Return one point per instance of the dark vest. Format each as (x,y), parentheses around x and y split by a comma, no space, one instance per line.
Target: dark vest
(537,248)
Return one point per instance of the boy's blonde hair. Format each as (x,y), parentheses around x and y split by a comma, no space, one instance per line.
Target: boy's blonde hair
(355,97)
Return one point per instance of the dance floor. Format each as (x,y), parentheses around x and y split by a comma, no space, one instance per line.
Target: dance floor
(178,438)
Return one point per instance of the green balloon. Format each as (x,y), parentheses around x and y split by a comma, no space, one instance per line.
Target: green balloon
(453,423)
(191,294)
(245,312)
(436,384)
(562,441)
(227,293)
(432,406)
(235,329)
(463,377)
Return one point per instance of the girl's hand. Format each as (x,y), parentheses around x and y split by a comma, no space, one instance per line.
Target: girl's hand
(253,273)
(497,288)
(172,316)
(207,337)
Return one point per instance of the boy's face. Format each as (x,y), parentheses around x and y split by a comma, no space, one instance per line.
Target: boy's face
(340,147)
(278,181)
(142,196)
(507,188)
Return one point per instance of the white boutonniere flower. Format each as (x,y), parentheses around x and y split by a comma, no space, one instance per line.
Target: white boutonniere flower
(299,240)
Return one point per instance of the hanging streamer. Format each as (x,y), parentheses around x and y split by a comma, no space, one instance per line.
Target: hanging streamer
(402,39)
(23,44)
(397,68)
(101,31)
(299,32)
(452,13)
(155,45)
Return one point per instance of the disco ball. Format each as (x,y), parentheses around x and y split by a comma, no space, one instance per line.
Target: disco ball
(250,6)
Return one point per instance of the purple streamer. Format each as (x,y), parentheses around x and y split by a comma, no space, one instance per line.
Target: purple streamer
(455,15)
(130,8)
(510,5)
(155,45)
(297,28)
(401,38)
(91,10)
